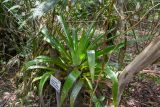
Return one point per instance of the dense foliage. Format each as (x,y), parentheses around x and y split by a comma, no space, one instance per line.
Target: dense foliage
(84,44)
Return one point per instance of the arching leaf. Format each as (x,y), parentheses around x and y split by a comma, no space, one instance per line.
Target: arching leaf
(43,59)
(75,92)
(69,82)
(43,80)
(114,79)
(55,43)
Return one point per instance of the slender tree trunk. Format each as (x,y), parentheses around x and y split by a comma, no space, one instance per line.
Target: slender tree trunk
(150,54)
(121,25)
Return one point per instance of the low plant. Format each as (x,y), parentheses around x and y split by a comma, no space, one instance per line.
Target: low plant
(76,64)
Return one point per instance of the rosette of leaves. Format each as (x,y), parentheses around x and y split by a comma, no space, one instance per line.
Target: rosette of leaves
(76,62)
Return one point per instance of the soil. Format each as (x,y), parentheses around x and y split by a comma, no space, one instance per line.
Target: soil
(143,91)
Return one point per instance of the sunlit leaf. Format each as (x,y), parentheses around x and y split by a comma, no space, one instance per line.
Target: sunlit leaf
(89,83)
(114,79)
(91,62)
(5,1)
(69,41)
(81,45)
(75,92)
(71,79)
(43,8)
(76,57)
(43,80)
(43,59)
(37,78)
(14,7)
(41,67)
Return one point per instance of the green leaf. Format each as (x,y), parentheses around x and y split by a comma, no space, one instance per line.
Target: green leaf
(66,31)
(91,62)
(43,59)
(71,79)
(75,39)
(55,61)
(85,39)
(93,44)
(55,43)
(90,31)
(98,104)
(40,67)
(101,98)
(89,35)
(96,101)
(43,80)
(76,57)
(36,79)
(81,45)
(109,49)
(114,79)
(30,63)
(75,92)
(14,7)
(71,41)
(88,82)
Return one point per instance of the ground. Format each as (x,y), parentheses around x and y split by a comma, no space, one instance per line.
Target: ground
(143,91)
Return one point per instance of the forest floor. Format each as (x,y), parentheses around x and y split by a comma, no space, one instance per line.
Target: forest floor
(143,91)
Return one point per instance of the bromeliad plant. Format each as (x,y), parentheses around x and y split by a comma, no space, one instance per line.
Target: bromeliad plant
(76,63)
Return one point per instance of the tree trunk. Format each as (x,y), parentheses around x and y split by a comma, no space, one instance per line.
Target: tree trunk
(150,54)
(121,25)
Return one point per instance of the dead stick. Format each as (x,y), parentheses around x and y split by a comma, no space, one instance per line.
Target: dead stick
(150,54)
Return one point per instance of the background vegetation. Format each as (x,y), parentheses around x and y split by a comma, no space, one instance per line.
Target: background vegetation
(84,44)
